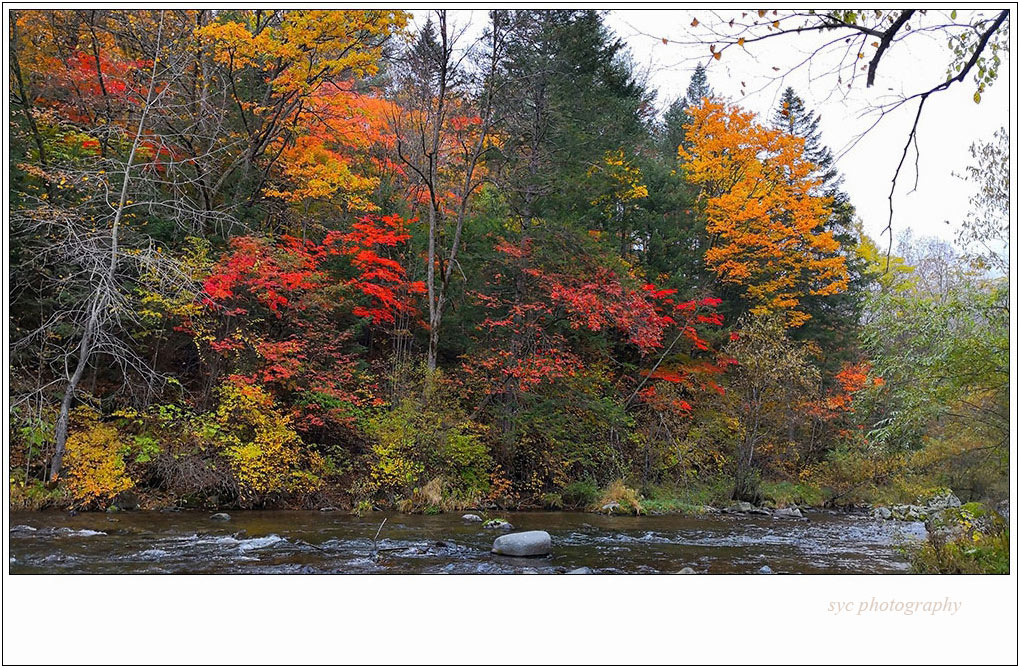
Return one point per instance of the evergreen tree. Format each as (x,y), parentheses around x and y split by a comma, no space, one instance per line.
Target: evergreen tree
(835,318)
(698,89)
(676,116)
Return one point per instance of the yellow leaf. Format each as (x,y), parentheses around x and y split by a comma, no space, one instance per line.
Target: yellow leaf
(740,42)
(717,55)
(761,13)
(775,24)
(977,97)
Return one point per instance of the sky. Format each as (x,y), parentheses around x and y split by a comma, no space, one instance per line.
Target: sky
(951,121)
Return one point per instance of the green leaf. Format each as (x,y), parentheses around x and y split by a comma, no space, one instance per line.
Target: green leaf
(977,97)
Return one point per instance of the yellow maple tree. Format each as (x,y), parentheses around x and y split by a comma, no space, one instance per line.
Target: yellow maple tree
(763,207)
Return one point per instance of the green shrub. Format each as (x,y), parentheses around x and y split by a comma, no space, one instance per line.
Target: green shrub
(417,444)
(783,494)
(580,494)
(552,501)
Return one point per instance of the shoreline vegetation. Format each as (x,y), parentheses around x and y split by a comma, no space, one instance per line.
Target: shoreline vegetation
(319,259)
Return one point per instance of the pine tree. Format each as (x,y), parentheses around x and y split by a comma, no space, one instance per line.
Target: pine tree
(677,115)
(830,314)
(698,89)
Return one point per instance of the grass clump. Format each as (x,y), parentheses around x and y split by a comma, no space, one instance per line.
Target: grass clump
(626,499)
(784,494)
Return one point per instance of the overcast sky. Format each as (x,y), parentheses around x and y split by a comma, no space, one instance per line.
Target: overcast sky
(951,120)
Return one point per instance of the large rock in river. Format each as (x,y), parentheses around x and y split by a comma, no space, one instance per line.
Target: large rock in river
(528,543)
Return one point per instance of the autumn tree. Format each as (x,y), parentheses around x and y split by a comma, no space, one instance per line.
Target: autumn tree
(105,267)
(760,200)
(832,315)
(443,127)
(275,78)
(773,374)
(858,41)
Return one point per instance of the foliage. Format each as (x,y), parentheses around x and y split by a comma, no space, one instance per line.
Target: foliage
(759,198)
(258,442)
(95,461)
(318,258)
(986,230)
(428,451)
(969,540)
(772,377)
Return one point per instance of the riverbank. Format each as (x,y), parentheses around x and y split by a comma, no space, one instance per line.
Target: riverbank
(615,498)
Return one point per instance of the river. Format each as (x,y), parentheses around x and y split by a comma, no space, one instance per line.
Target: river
(291,542)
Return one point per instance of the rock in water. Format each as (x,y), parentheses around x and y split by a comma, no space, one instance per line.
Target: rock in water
(498,524)
(882,513)
(528,543)
(764,570)
(473,518)
(740,507)
(687,571)
(789,513)
(220,516)
(580,571)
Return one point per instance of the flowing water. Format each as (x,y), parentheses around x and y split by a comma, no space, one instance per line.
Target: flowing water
(338,543)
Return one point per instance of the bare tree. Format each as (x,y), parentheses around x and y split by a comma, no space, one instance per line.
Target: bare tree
(86,241)
(436,84)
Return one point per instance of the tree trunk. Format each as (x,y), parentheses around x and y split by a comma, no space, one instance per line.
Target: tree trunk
(60,436)
(102,296)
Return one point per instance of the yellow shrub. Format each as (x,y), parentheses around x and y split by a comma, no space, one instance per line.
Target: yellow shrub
(627,498)
(257,440)
(95,461)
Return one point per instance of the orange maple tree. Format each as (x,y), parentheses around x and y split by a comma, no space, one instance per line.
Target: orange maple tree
(763,207)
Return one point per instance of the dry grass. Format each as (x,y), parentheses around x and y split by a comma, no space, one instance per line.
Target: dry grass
(626,497)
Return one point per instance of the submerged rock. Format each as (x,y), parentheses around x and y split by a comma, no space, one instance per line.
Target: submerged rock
(220,516)
(473,518)
(528,543)
(580,571)
(127,501)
